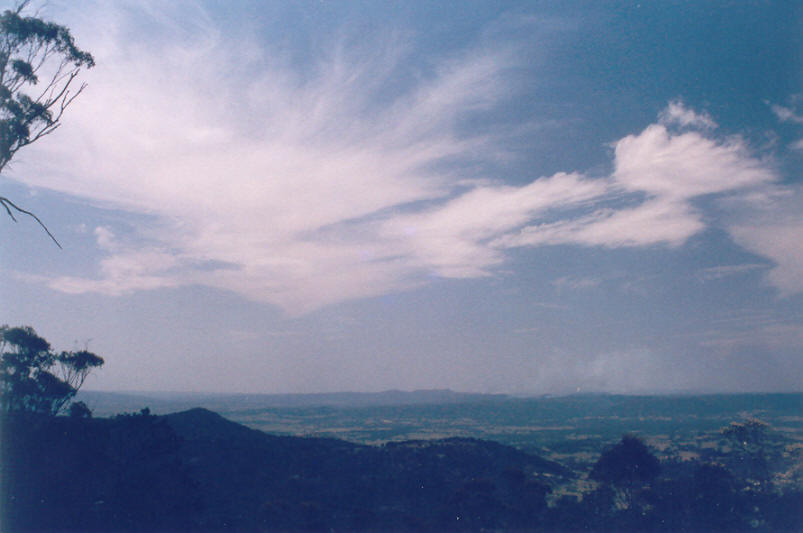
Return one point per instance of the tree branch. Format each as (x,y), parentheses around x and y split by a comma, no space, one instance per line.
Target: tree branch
(9,204)
(30,46)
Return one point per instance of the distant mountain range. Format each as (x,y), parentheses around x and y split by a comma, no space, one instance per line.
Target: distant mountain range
(532,424)
(108,403)
(105,403)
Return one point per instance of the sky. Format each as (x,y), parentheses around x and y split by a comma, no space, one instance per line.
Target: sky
(508,197)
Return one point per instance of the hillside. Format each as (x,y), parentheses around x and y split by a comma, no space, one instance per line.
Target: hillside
(198,471)
(259,480)
(195,470)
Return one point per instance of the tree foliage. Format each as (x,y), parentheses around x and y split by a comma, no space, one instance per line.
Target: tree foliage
(749,443)
(34,378)
(39,63)
(627,464)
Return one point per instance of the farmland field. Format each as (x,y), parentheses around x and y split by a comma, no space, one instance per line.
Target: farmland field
(569,429)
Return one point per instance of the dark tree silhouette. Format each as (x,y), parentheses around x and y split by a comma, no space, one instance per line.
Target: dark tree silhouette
(750,446)
(628,463)
(31,48)
(715,503)
(80,410)
(628,466)
(35,379)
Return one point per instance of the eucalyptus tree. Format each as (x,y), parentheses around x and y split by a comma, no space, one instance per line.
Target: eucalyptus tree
(39,66)
(34,378)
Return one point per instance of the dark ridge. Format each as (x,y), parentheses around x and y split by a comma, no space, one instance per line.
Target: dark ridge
(197,471)
(257,480)
(200,423)
(478,451)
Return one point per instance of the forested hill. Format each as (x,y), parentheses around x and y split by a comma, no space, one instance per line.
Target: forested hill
(197,471)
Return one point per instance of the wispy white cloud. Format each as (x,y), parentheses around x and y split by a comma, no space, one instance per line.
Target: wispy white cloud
(305,187)
(566,282)
(777,334)
(790,114)
(669,170)
(652,222)
(125,269)
(677,114)
(458,238)
(786,114)
(724,271)
(771,225)
(248,162)
(630,370)
(677,167)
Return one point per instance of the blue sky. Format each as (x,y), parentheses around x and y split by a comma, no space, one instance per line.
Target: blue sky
(497,197)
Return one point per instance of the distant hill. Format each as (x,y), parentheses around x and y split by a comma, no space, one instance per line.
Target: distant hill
(533,424)
(109,403)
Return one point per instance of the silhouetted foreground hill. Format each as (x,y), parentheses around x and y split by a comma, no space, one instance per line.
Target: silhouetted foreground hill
(83,474)
(288,483)
(196,471)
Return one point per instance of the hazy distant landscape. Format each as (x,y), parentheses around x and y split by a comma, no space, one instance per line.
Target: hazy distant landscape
(559,427)
(409,461)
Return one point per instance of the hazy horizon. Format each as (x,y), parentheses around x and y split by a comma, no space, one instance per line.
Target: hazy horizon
(509,197)
(677,392)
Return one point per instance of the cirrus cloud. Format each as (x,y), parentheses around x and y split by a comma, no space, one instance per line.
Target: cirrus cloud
(307,187)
